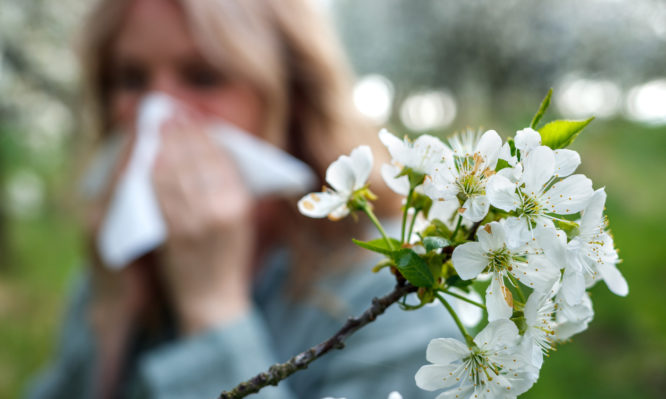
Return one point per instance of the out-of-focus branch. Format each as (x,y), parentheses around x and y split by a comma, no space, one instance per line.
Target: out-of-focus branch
(279,372)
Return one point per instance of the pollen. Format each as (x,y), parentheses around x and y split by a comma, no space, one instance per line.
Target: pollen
(308,205)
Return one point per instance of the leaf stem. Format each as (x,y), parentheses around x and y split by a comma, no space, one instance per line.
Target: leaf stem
(462,298)
(453,235)
(408,203)
(411,225)
(375,221)
(461,327)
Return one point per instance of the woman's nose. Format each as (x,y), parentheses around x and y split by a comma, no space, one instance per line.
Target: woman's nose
(166,81)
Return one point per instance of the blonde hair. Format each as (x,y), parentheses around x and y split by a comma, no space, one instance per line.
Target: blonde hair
(286,51)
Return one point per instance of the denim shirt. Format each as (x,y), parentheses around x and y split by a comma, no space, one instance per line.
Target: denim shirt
(379,358)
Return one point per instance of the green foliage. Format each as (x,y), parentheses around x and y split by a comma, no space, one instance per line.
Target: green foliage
(379,245)
(542,109)
(413,267)
(561,133)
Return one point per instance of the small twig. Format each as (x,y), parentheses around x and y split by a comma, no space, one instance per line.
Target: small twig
(279,372)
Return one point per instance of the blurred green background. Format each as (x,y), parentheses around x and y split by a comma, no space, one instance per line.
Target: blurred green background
(423,66)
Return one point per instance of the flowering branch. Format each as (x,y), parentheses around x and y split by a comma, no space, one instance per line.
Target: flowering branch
(279,372)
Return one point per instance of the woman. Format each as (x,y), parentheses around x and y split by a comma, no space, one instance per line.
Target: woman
(241,282)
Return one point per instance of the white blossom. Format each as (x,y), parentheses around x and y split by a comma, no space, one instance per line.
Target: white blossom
(572,319)
(463,176)
(534,191)
(346,175)
(493,367)
(591,255)
(539,314)
(420,155)
(495,253)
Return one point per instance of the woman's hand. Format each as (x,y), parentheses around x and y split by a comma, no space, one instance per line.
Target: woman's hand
(207,259)
(119,299)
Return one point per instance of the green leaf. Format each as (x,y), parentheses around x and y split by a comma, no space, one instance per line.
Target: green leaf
(501,164)
(559,134)
(413,268)
(542,109)
(379,245)
(434,242)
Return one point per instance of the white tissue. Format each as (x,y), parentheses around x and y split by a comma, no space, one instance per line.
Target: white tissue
(134,224)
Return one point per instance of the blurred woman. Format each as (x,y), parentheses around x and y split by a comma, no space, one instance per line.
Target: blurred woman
(241,282)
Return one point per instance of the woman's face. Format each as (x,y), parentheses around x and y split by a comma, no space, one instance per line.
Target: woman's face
(155,51)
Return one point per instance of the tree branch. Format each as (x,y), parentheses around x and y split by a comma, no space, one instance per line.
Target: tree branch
(279,372)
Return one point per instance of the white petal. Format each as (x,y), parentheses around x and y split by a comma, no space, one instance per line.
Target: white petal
(445,350)
(395,146)
(552,241)
(566,162)
(489,148)
(570,195)
(428,153)
(539,166)
(319,205)
(539,273)
(526,140)
(361,159)
(516,231)
(469,260)
(613,279)
(497,306)
(339,212)
(513,174)
(399,185)
(476,208)
(340,175)
(502,193)
(573,287)
(492,236)
(592,214)
(431,377)
(498,333)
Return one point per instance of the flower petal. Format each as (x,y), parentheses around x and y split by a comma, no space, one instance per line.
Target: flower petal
(396,147)
(489,148)
(502,193)
(445,350)
(593,212)
(433,376)
(319,205)
(497,306)
(539,167)
(570,195)
(361,161)
(526,140)
(476,208)
(566,162)
(340,175)
(469,260)
(399,185)
(613,278)
(492,236)
(498,333)
(573,286)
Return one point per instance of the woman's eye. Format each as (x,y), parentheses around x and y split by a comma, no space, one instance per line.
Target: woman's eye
(131,78)
(202,77)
